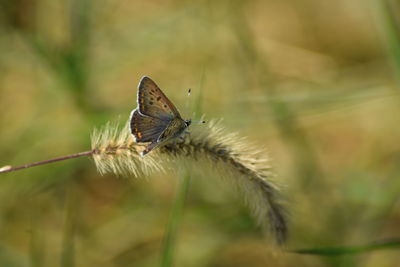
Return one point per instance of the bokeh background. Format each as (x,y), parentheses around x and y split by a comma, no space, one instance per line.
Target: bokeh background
(316,82)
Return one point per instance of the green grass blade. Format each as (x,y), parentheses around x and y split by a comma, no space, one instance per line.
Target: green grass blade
(199,100)
(389,20)
(338,251)
(36,245)
(176,215)
(69,231)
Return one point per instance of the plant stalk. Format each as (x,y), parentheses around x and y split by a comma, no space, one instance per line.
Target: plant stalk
(173,225)
(29,165)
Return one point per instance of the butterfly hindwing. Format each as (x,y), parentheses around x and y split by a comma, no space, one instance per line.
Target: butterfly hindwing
(145,128)
(149,148)
(152,101)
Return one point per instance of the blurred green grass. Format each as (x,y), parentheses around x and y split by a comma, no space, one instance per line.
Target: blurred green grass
(315,82)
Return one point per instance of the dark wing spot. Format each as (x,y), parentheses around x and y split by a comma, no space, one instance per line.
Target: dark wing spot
(165,106)
(151,98)
(158,98)
(151,103)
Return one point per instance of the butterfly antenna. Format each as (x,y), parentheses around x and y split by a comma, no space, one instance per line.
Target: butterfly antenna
(196,110)
(188,102)
(201,121)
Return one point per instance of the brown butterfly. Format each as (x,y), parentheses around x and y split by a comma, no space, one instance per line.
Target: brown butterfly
(155,120)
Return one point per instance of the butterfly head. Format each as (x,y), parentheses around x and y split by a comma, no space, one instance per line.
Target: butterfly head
(188,122)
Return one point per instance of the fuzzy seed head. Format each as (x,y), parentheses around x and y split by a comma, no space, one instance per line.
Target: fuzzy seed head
(237,161)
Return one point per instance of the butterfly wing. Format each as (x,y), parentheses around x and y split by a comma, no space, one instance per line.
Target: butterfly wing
(149,148)
(145,128)
(152,101)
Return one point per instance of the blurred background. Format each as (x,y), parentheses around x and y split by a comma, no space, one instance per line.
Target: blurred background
(315,82)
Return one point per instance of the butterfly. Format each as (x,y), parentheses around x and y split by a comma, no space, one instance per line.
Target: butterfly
(155,120)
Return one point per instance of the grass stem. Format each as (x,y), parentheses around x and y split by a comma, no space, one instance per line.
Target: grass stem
(29,165)
(176,216)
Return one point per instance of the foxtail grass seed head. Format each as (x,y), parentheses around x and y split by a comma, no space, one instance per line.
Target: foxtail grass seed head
(243,164)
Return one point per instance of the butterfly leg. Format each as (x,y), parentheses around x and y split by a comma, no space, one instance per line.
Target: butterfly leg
(186,134)
(181,139)
(183,136)
(149,148)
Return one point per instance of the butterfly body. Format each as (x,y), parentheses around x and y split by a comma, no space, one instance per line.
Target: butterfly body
(156,120)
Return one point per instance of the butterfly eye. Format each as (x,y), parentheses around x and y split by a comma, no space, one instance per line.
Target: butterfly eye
(188,122)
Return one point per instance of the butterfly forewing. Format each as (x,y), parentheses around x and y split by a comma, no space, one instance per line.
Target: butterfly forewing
(145,128)
(152,101)
(156,120)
